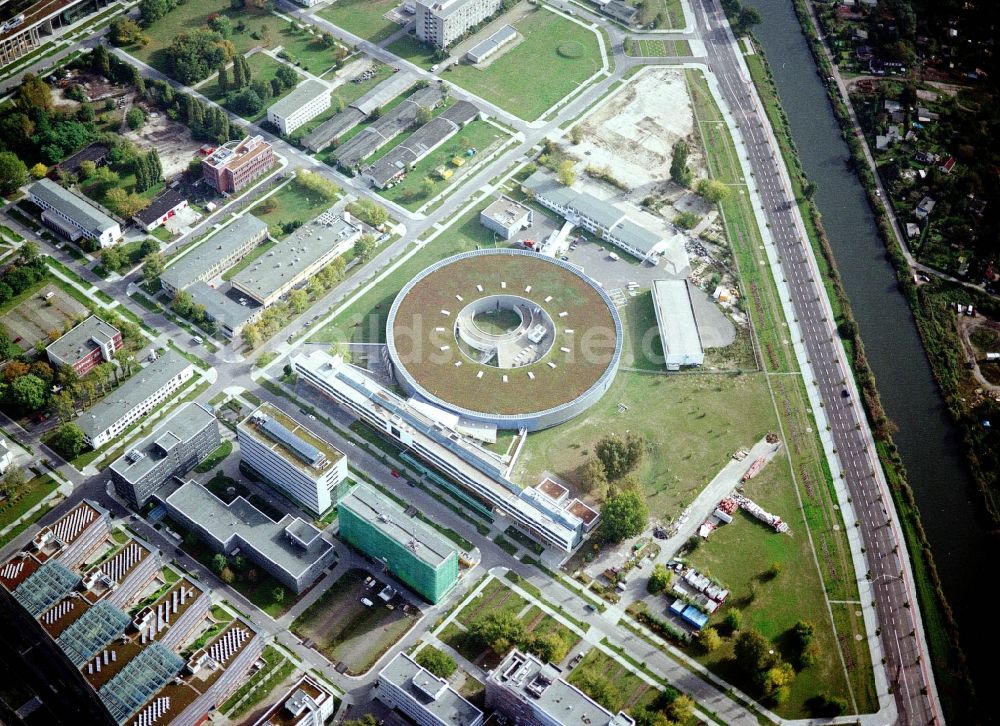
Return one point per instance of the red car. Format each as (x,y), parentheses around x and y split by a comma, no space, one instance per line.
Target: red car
(395,473)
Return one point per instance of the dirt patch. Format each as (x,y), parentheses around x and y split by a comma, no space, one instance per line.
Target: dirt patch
(171,139)
(39,319)
(634,131)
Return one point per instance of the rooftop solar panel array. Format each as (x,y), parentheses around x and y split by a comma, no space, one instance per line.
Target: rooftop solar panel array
(303,449)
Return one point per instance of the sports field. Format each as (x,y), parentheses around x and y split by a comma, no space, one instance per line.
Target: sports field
(568,52)
(364,18)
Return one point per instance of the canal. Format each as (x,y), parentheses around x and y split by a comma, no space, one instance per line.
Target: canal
(928,441)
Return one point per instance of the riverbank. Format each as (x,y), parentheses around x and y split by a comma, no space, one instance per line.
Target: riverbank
(939,622)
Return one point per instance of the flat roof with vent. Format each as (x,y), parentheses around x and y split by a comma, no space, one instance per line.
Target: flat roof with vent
(432,694)
(186,423)
(211,251)
(390,519)
(298,445)
(82,340)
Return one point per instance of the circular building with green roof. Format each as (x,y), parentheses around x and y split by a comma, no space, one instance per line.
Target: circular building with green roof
(505,337)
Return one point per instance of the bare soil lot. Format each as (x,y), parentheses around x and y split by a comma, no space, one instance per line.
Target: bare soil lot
(171,139)
(634,131)
(37,319)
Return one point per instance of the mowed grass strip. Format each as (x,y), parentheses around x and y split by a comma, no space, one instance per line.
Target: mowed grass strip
(291,203)
(363,18)
(555,57)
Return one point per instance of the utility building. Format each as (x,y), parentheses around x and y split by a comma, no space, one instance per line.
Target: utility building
(678,328)
(412,552)
(306,468)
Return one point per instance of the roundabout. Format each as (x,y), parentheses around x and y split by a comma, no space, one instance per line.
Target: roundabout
(505,337)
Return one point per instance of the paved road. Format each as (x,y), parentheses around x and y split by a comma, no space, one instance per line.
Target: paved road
(901,630)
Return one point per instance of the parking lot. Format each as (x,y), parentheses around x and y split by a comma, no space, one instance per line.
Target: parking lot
(42,316)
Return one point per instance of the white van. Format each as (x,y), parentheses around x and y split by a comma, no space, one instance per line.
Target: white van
(366,602)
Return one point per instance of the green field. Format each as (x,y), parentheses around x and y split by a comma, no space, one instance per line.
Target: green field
(363,18)
(192,15)
(478,135)
(627,691)
(307,50)
(413,50)
(34,491)
(291,203)
(568,53)
(262,67)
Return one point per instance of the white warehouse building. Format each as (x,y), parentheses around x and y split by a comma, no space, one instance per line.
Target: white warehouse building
(675,318)
(71,216)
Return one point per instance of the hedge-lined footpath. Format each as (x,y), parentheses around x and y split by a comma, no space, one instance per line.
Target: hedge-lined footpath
(949,663)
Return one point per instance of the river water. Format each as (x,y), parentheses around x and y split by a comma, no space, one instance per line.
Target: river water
(927,439)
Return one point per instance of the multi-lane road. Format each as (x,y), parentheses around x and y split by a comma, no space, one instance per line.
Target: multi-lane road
(902,636)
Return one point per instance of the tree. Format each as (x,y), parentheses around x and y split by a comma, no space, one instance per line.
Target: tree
(809,190)
(153,10)
(112,258)
(800,642)
(125,204)
(286,76)
(712,190)
(710,640)
(100,61)
(246,102)
(364,248)
(567,174)
(619,455)
(498,630)
(754,653)
(193,56)
(624,515)
(679,171)
(659,579)
(777,677)
(595,478)
(549,647)
(33,93)
(251,336)
(125,31)
(68,440)
(262,88)
(733,621)
(427,187)
(152,268)
(63,406)
(278,593)
(16,128)
(29,392)
(13,172)
(299,300)
(135,118)
(366,720)
(576,134)
(748,17)
(222,25)
(39,170)
(681,709)
(369,212)
(219,563)
(318,184)
(440,664)
(424,115)
(227,575)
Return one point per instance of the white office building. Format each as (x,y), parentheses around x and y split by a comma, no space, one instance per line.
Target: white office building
(442,22)
(422,696)
(302,105)
(308,703)
(133,399)
(71,216)
(291,458)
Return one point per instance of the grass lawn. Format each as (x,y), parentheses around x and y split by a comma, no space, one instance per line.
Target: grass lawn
(478,135)
(738,553)
(307,50)
(688,421)
(34,491)
(671,11)
(568,52)
(291,203)
(262,67)
(364,321)
(215,458)
(660,48)
(363,18)
(347,631)
(98,191)
(413,50)
(643,348)
(627,691)
(192,15)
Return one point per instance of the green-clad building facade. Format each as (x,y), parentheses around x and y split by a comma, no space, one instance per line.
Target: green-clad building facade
(411,551)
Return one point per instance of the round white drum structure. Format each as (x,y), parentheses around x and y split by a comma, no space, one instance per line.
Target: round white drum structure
(505,337)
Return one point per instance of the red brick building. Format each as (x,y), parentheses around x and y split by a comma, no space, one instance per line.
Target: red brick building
(234,166)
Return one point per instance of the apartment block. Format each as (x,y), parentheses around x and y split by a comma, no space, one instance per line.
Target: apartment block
(291,458)
(173,449)
(234,166)
(306,102)
(308,703)
(86,346)
(71,216)
(410,550)
(135,398)
(443,23)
